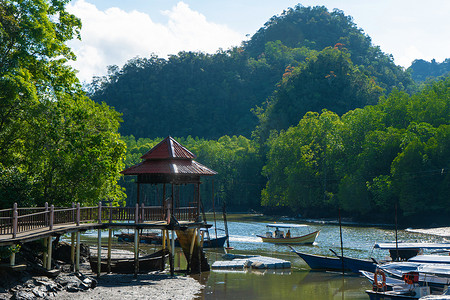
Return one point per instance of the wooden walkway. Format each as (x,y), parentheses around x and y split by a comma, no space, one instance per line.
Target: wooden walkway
(20,225)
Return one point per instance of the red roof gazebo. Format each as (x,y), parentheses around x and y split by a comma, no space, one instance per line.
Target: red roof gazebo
(171,163)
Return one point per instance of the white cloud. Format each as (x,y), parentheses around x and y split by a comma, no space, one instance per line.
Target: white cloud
(113,36)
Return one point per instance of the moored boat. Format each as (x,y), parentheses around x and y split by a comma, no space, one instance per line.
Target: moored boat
(153,262)
(279,237)
(320,262)
(336,263)
(153,238)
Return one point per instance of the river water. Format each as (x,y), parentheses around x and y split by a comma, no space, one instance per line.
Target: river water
(298,282)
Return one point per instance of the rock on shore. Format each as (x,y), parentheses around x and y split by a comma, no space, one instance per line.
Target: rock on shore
(146,286)
(29,284)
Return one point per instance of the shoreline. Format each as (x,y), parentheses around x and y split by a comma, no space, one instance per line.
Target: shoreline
(85,284)
(145,286)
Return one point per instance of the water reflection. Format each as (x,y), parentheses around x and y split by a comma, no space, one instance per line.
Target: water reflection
(299,284)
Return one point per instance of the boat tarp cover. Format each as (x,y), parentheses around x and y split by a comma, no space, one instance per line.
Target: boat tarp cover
(286,225)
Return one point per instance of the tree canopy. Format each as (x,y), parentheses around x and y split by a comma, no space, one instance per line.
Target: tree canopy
(56,145)
(368,160)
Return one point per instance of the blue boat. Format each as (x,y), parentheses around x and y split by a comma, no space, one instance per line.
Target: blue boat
(336,263)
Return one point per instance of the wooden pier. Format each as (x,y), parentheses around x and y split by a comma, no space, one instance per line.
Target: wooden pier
(167,164)
(21,225)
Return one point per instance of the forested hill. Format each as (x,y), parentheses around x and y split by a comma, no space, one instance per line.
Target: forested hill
(212,95)
(422,70)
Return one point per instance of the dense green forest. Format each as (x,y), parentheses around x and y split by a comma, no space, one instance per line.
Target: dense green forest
(219,91)
(57,145)
(305,117)
(422,70)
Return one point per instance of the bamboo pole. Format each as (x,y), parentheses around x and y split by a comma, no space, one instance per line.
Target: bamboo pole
(214,208)
(342,244)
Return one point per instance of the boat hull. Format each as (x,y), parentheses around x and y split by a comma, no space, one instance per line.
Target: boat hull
(319,262)
(152,262)
(157,240)
(305,239)
(334,263)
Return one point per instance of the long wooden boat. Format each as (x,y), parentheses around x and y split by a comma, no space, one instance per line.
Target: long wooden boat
(153,262)
(320,262)
(215,242)
(278,237)
(157,240)
(336,263)
(146,238)
(304,239)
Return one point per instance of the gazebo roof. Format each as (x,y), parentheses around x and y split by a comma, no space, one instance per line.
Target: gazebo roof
(168,161)
(169,148)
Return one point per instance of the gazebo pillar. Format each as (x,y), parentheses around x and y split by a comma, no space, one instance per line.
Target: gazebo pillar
(198,202)
(173,206)
(138,193)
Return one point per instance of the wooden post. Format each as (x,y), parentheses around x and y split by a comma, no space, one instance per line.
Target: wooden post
(199,250)
(198,203)
(214,207)
(172,254)
(342,243)
(15,217)
(138,193)
(49,251)
(99,212)
(110,212)
(72,249)
(164,199)
(99,251)
(136,251)
(225,223)
(136,214)
(78,214)
(46,214)
(12,259)
(164,239)
(142,213)
(173,202)
(44,254)
(77,260)
(52,216)
(109,250)
(396,237)
(73,213)
(191,250)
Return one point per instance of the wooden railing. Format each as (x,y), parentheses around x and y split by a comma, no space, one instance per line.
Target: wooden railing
(17,220)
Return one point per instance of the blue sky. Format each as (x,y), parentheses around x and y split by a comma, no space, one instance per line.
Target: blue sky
(115,31)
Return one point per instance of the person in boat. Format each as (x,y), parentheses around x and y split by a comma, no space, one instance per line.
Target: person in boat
(288,234)
(279,234)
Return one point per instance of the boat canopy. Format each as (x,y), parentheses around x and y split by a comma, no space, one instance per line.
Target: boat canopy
(406,246)
(275,225)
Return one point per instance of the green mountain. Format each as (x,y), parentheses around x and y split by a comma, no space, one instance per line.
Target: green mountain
(212,95)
